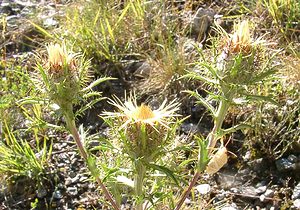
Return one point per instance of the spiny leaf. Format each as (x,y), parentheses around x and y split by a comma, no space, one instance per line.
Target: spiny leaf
(166,171)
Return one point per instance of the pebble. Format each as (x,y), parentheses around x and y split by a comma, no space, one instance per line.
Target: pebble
(234,190)
(269,193)
(143,71)
(247,156)
(292,158)
(189,128)
(68,181)
(221,195)
(262,198)
(83,179)
(296,203)
(296,192)
(203,188)
(250,190)
(41,192)
(73,174)
(284,165)
(187,201)
(231,206)
(72,191)
(57,194)
(261,189)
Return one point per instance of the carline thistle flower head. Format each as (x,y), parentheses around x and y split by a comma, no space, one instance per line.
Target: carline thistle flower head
(146,130)
(60,59)
(130,113)
(240,41)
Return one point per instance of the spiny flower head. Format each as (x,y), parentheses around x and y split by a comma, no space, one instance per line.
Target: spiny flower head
(240,41)
(143,131)
(131,113)
(60,59)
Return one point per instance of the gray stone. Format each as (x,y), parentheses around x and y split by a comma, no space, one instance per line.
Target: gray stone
(143,71)
(292,158)
(41,192)
(250,190)
(229,180)
(201,22)
(231,206)
(189,128)
(284,165)
(57,194)
(262,198)
(68,181)
(247,156)
(50,22)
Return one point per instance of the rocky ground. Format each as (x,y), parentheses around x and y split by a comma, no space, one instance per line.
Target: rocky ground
(254,184)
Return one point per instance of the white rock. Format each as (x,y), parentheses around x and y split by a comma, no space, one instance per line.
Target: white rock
(203,188)
(269,193)
(297,203)
(262,198)
(261,189)
(229,208)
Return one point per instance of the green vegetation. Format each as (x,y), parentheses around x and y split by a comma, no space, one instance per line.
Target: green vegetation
(238,76)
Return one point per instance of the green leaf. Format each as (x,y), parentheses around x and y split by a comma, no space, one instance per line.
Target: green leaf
(202,101)
(166,171)
(236,128)
(97,82)
(261,98)
(122,15)
(43,31)
(195,76)
(202,154)
(91,162)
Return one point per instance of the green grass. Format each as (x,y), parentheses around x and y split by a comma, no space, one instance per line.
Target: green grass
(115,33)
(20,159)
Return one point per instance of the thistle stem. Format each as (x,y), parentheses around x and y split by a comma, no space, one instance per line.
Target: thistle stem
(212,140)
(72,127)
(188,190)
(138,184)
(220,116)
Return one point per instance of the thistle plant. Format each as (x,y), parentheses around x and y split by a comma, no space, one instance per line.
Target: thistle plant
(65,77)
(241,62)
(143,134)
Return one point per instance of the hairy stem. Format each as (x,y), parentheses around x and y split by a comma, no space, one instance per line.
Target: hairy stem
(212,139)
(220,116)
(72,127)
(188,190)
(138,184)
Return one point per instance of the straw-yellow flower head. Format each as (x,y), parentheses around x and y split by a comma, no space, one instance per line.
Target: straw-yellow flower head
(59,57)
(240,41)
(130,113)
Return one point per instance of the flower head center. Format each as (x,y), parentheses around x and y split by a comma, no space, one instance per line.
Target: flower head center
(143,112)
